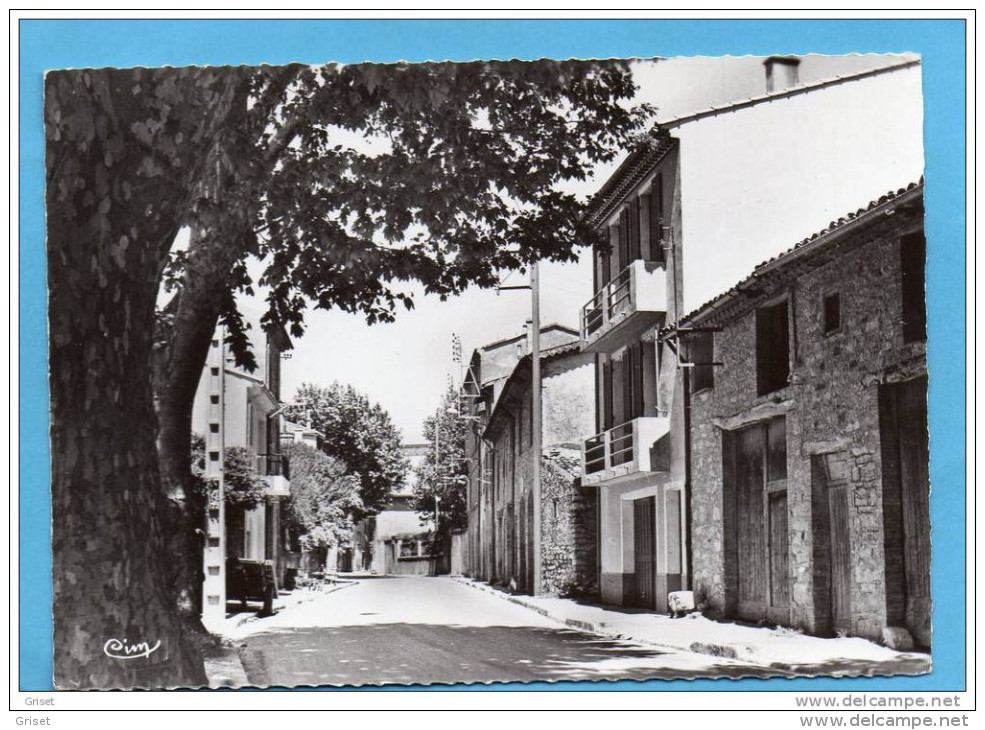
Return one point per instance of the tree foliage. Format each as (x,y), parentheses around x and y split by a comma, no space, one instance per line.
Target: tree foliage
(350,180)
(243,486)
(443,476)
(359,434)
(459,178)
(324,496)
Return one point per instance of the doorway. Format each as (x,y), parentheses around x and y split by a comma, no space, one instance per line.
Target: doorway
(832,564)
(645,551)
(756,522)
(906,505)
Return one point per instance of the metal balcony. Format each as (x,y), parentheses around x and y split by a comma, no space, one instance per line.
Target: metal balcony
(622,451)
(623,309)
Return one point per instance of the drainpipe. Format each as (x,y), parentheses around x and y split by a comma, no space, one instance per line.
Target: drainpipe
(535,427)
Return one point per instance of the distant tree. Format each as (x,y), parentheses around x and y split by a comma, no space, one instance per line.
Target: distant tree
(442,477)
(359,434)
(324,497)
(349,181)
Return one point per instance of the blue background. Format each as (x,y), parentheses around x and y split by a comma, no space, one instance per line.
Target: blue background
(49,44)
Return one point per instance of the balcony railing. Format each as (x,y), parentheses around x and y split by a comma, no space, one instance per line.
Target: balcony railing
(622,450)
(639,289)
(273,465)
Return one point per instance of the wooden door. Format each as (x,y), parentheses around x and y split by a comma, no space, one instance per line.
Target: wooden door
(753,577)
(645,547)
(915,488)
(906,505)
(779,551)
(758,485)
(840,558)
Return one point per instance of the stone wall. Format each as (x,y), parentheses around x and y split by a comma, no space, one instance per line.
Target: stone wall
(831,408)
(568,405)
(569,540)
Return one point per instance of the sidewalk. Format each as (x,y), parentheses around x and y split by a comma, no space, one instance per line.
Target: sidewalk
(224,668)
(779,648)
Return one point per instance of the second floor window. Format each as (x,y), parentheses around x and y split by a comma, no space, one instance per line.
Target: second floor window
(772,348)
(702,354)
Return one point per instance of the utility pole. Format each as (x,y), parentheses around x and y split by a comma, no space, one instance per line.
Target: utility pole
(437,482)
(535,425)
(535,420)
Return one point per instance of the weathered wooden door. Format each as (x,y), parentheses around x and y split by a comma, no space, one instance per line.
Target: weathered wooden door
(761,524)
(779,550)
(840,557)
(645,546)
(906,505)
(753,578)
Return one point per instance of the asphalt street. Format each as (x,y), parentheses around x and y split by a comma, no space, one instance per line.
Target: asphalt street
(392,630)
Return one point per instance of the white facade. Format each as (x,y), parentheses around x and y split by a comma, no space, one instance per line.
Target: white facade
(754,179)
(736,186)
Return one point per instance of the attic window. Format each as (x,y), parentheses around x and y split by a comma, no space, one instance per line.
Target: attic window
(702,354)
(832,313)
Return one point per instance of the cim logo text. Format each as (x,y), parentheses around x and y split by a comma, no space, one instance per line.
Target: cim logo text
(122,649)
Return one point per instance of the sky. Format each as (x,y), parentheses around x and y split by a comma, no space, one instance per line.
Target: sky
(406,365)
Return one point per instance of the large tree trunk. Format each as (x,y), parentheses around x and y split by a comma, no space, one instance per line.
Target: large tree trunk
(124,150)
(222,236)
(196,313)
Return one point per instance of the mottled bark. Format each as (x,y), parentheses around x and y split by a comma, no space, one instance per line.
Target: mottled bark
(124,149)
(196,314)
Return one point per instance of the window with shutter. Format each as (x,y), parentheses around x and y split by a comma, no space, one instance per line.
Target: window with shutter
(657,235)
(623,242)
(633,232)
(607,396)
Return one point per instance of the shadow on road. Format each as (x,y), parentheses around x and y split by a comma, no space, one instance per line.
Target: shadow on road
(411,653)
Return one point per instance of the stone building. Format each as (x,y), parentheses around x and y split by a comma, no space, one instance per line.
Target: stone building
(501,494)
(487,372)
(809,435)
(693,208)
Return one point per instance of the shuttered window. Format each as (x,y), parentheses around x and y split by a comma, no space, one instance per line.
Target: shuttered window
(657,234)
(632,379)
(607,396)
(633,232)
(624,228)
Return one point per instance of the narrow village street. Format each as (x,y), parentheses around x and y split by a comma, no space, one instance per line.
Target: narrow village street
(409,630)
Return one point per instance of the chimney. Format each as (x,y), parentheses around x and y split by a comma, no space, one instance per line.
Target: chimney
(781,73)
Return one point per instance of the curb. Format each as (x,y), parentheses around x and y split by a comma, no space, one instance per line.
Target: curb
(308,597)
(226,669)
(709,649)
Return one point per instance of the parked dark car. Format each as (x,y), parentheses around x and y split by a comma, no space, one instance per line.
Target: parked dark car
(251,580)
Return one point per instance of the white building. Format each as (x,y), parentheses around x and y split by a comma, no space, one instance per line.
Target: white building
(711,193)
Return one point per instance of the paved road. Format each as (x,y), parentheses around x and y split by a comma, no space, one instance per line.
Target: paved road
(437,631)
